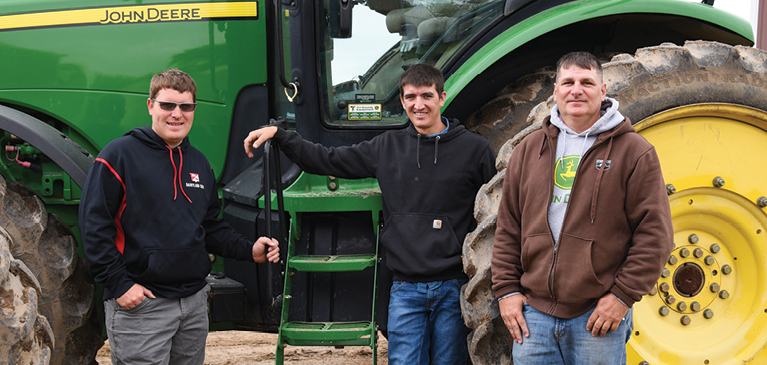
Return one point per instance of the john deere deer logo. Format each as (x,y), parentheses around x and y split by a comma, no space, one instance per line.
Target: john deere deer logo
(564,174)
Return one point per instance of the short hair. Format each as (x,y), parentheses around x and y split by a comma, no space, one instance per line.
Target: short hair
(172,79)
(422,74)
(584,60)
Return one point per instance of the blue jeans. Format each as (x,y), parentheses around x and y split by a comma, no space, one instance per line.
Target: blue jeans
(425,323)
(566,341)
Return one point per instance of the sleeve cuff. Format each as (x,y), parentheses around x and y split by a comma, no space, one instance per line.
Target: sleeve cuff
(511,295)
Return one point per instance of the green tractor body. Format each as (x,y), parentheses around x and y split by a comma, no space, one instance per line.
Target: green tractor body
(74,76)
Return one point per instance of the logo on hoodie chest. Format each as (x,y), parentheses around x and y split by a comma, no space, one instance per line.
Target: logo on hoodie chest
(564,172)
(195,178)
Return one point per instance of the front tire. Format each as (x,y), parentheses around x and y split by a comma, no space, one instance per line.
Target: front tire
(47,247)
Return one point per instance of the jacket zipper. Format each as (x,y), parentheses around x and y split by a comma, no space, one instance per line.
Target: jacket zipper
(597,142)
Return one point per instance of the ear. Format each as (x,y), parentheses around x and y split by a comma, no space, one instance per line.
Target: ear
(604,91)
(442,99)
(149,105)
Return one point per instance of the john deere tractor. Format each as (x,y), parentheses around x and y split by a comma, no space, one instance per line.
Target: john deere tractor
(74,75)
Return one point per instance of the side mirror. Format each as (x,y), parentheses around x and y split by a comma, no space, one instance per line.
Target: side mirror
(341,18)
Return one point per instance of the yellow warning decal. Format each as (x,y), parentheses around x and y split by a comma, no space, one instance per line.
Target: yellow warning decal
(132,14)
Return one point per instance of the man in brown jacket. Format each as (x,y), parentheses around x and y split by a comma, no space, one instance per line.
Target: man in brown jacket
(584,227)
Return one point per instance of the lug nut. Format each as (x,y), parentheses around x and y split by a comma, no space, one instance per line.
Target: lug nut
(715,248)
(332,186)
(693,238)
(718,182)
(726,269)
(708,314)
(724,294)
(670,189)
(685,320)
(672,260)
(653,291)
(761,202)
(666,273)
(684,252)
(664,311)
(682,306)
(664,287)
(698,253)
(670,299)
(709,260)
(714,287)
(695,306)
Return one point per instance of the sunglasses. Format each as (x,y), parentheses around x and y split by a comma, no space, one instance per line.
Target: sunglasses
(170,106)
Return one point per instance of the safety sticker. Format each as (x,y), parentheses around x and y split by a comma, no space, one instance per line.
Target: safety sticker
(365,111)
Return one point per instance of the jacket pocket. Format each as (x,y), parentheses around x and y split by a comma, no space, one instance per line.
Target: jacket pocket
(574,277)
(174,265)
(537,257)
(420,244)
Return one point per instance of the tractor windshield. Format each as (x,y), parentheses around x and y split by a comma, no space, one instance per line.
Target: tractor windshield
(360,73)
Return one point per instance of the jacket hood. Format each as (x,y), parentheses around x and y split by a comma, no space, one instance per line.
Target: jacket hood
(454,129)
(149,137)
(610,118)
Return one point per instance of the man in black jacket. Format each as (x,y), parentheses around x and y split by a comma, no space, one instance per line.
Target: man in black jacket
(429,174)
(148,218)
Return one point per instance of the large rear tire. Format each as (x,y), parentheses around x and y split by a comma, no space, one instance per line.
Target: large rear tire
(507,114)
(704,107)
(27,337)
(47,247)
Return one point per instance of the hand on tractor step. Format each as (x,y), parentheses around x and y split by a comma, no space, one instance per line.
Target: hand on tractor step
(511,312)
(134,296)
(258,137)
(260,253)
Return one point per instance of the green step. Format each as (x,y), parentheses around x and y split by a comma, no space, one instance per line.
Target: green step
(327,333)
(331,263)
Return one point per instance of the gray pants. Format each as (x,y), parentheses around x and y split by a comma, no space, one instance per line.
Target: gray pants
(159,331)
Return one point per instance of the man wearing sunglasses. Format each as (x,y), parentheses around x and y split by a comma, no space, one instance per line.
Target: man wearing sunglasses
(148,218)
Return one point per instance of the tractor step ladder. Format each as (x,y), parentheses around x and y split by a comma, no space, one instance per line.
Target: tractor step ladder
(338,334)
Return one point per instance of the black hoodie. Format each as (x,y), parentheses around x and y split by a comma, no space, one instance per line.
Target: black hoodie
(428,186)
(148,216)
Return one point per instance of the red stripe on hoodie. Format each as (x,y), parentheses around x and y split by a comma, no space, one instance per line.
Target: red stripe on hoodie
(120,236)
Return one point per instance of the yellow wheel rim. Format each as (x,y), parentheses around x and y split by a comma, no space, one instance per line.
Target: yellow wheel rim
(710,304)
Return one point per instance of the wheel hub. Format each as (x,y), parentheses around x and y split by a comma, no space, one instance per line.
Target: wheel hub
(689,279)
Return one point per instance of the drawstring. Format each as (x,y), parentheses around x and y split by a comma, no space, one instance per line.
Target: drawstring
(564,150)
(177,173)
(418,151)
(175,191)
(594,194)
(181,164)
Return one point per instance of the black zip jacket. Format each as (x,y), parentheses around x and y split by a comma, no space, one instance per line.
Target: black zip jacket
(148,215)
(428,186)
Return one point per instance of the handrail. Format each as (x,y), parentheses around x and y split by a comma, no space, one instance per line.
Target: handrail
(266,185)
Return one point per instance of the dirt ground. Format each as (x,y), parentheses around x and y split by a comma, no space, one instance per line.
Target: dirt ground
(255,348)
